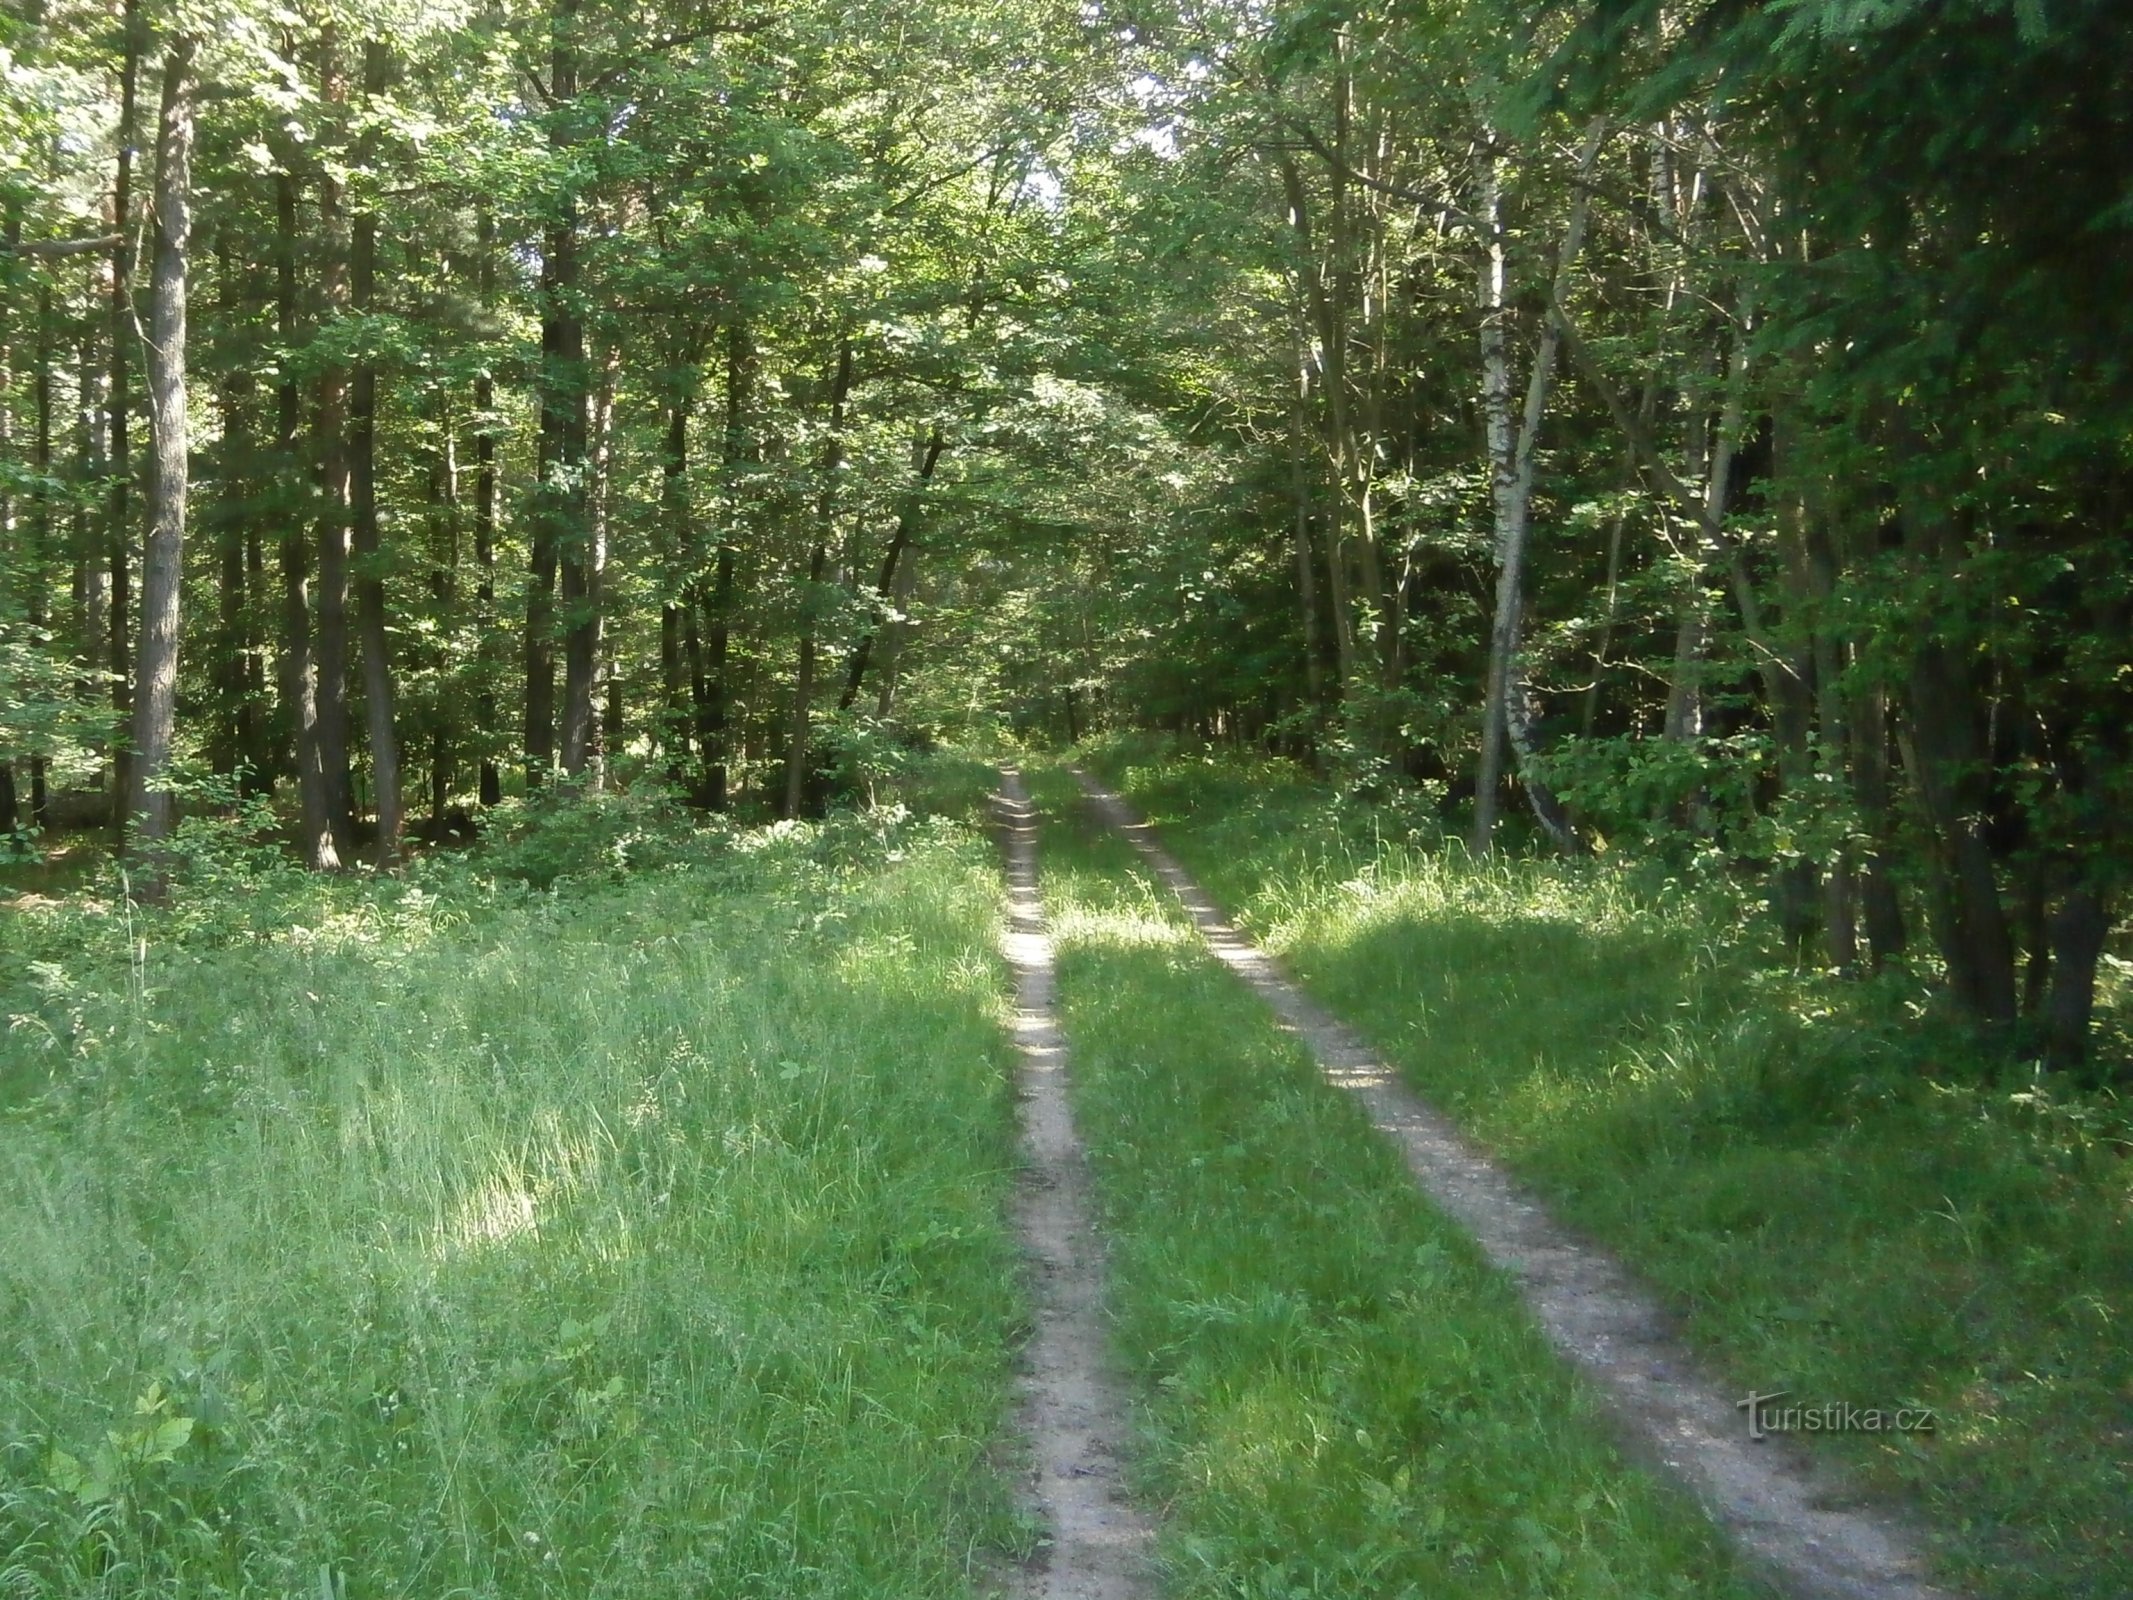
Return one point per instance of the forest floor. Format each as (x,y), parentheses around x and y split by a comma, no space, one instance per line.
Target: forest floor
(1828,1192)
(633,1206)
(620,1210)
(1800,1526)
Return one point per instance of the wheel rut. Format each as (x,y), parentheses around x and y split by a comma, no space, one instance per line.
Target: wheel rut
(1795,1524)
(1073,1415)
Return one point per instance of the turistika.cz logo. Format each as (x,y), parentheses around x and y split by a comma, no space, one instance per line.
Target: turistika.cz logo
(1766,1416)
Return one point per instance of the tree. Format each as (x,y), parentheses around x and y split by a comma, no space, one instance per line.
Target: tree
(156,674)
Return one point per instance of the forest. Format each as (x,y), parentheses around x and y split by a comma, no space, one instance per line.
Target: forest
(499,496)
(1701,428)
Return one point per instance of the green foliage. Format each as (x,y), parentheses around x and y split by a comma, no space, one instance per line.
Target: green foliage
(574,836)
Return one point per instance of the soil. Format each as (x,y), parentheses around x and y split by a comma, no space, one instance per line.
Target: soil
(1073,1414)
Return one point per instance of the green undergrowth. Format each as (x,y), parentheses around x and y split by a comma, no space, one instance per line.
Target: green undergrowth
(1840,1200)
(635,1235)
(1338,1398)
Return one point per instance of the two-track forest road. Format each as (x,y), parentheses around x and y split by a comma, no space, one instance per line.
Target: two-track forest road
(1795,1525)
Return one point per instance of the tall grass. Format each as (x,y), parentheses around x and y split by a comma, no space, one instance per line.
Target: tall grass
(1840,1197)
(1339,1398)
(636,1238)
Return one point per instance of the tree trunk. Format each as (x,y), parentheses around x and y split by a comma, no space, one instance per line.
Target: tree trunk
(491,780)
(1946,761)
(317,841)
(380,720)
(1511,462)
(156,676)
(714,695)
(1300,536)
(92,567)
(895,635)
(329,430)
(797,751)
(925,457)
(232,738)
(41,523)
(2078,930)
(118,533)
(678,526)
(561,536)
(584,561)
(443,495)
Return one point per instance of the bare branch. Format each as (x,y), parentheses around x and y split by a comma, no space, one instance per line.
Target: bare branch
(60,247)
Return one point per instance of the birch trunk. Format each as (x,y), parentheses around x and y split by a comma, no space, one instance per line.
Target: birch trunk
(1512,462)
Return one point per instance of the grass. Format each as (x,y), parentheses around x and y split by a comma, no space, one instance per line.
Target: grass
(637,1236)
(1338,1398)
(1838,1199)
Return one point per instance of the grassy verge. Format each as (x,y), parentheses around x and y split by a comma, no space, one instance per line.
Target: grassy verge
(1839,1203)
(639,1236)
(1339,1399)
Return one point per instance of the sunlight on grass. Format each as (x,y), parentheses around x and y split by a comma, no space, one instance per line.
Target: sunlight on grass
(1839,1196)
(639,1238)
(1338,1398)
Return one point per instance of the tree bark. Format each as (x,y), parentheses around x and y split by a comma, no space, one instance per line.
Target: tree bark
(895,635)
(118,529)
(1946,761)
(925,458)
(380,720)
(561,534)
(329,430)
(714,695)
(91,564)
(585,668)
(491,779)
(299,671)
(156,675)
(37,609)
(2078,931)
(584,574)
(1300,535)
(797,741)
(679,535)
(1511,462)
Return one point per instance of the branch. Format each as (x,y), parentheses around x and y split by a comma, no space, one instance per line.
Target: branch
(1693,505)
(60,247)
(1442,203)
(1641,444)
(674,41)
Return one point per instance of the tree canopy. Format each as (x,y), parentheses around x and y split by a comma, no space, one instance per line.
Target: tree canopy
(1699,430)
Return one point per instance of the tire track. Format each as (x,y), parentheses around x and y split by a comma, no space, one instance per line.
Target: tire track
(1097,1543)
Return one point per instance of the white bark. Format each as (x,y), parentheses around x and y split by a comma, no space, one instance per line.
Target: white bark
(1511,471)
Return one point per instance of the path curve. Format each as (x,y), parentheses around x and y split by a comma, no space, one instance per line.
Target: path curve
(1798,1527)
(1074,1417)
